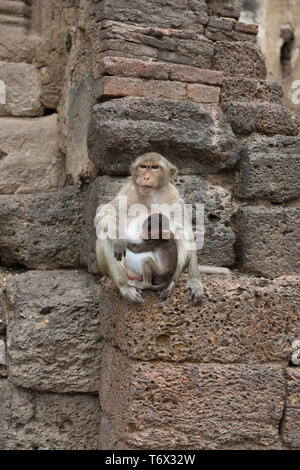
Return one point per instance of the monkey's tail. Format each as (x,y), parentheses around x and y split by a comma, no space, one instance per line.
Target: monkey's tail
(214,270)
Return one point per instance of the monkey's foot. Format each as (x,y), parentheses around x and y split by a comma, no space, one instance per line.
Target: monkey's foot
(165,293)
(131,294)
(137,284)
(197,291)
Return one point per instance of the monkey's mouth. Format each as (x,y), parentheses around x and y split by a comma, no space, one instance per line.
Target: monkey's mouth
(145,186)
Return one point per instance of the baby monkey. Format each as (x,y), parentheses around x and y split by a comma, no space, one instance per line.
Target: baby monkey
(160,266)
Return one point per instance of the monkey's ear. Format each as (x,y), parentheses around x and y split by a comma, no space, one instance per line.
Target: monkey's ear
(173,172)
(132,168)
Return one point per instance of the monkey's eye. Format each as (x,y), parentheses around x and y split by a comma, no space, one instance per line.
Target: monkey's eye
(155,167)
(143,167)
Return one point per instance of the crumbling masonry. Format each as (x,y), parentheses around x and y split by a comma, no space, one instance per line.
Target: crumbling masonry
(90,85)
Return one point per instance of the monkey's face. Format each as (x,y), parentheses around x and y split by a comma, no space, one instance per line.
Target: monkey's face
(151,171)
(149,176)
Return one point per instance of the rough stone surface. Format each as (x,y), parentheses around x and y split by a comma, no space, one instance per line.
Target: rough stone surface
(197,138)
(180,46)
(175,14)
(30,160)
(41,231)
(264,118)
(269,169)
(249,89)
(290,427)
(4,412)
(54,337)
(241,320)
(47,421)
(224,8)
(239,58)
(189,406)
(75,114)
(268,240)
(52,54)
(23,90)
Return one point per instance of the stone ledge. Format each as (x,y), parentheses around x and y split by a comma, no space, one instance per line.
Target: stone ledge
(241,320)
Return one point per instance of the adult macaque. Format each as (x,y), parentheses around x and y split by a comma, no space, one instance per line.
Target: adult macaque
(117,223)
(157,252)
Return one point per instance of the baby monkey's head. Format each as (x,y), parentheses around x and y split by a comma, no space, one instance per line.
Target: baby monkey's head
(157,227)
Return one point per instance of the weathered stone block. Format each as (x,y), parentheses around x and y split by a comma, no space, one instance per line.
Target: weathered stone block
(23,90)
(226,24)
(185,46)
(30,160)
(246,28)
(249,89)
(224,8)
(41,231)
(175,14)
(4,412)
(47,421)
(264,118)
(239,58)
(269,169)
(241,320)
(268,240)
(189,406)
(53,336)
(198,139)
(290,427)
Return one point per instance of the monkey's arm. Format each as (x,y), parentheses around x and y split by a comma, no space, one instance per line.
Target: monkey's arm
(143,247)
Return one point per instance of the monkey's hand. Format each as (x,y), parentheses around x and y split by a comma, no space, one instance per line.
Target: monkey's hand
(120,248)
(196,288)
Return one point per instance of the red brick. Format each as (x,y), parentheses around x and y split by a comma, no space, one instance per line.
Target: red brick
(132,68)
(246,28)
(203,93)
(157,70)
(121,86)
(194,75)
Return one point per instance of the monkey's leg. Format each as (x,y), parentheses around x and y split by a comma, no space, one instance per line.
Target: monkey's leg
(194,284)
(115,270)
(150,269)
